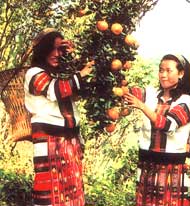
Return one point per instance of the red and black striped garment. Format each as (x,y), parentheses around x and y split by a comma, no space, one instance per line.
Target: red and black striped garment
(57,143)
(162,177)
(50,99)
(162,180)
(171,130)
(58,169)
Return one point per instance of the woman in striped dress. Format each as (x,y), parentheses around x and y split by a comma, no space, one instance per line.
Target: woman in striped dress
(162,173)
(55,123)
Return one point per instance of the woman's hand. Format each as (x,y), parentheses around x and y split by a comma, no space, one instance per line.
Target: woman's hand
(134,101)
(87,69)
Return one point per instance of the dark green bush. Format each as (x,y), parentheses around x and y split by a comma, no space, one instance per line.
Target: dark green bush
(15,189)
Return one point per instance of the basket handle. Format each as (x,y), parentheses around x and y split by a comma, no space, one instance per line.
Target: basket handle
(25,56)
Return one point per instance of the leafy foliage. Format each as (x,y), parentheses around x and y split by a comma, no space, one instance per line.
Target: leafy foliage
(104,47)
(15,189)
(20,21)
(143,73)
(110,159)
(16,169)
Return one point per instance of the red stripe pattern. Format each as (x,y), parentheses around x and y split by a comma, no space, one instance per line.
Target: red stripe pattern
(138,92)
(65,88)
(162,185)
(160,122)
(40,83)
(163,181)
(161,110)
(178,114)
(58,176)
(158,138)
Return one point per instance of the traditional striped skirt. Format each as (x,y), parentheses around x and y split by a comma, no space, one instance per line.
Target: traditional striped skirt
(58,169)
(162,180)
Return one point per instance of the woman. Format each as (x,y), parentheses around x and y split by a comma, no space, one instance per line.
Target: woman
(55,123)
(162,172)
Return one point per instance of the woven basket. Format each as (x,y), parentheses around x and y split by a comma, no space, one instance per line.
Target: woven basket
(12,95)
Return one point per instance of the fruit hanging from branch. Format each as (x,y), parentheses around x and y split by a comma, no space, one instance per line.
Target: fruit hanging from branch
(110,51)
(131,41)
(118,91)
(113,113)
(102,25)
(116,65)
(107,39)
(127,65)
(116,28)
(110,127)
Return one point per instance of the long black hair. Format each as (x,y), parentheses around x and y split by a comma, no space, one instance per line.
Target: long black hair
(43,48)
(183,85)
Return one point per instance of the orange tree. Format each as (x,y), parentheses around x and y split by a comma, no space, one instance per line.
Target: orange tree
(106,38)
(101,30)
(110,160)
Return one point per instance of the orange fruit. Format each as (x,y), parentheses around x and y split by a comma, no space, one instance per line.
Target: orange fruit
(102,25)
(131,41)
(124,112)
(116,65)
(116,28)
(125,89)
(113,113)
(118,91)
(127,65)
(110,127)
(82,12)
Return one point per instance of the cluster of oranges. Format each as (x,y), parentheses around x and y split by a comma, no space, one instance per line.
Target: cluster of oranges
(114,113)
(117,29)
